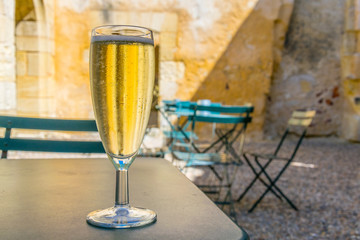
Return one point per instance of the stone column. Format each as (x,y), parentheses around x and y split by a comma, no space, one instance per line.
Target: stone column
(350,57)
(7,55)
(35,66)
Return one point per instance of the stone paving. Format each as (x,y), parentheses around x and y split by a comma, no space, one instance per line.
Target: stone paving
(323,182)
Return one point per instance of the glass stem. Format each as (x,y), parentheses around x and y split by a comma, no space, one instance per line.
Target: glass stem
(122,188)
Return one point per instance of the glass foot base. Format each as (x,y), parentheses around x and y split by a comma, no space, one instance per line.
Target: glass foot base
(121,217)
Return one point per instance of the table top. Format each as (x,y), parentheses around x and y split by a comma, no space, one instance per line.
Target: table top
(50,198)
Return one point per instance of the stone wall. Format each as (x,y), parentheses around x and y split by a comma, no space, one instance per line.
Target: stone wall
(309,75)
(7,56)
(207,50)
(34,58)
(234,52)
(243,73)
(191,35)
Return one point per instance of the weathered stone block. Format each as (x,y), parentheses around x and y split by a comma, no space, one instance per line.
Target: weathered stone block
(34,44)
(121,17)
(349,14)
(7,69)
(39,64)
(350,129)
(167,53)
(33,64)
(145,19)
(47,106)
(7,30)
(168,46)
(170,23)
(350,43)
(168,39)
(357,14)
(134,18)
(350,65)
(170,74)
(28,105)
(7,95)
(7,8)
(27,87)
(21,63)
(157,21)
(47,87)
(37,106)
(51,46)
(7,52)
(168,90)
(31,28)
(352,15)
(94,18)
(172,71)
(49,64)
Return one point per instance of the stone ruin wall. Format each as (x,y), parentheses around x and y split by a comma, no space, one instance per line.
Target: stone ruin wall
(309,74)
(207,51)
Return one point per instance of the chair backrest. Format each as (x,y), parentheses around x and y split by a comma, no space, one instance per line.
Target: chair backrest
(222,114)
(42,145)
(301,120)
(233,115)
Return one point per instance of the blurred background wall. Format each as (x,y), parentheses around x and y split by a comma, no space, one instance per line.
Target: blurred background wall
(279,55)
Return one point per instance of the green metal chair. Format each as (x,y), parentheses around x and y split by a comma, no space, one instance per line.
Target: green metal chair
(298,125)
(7,143)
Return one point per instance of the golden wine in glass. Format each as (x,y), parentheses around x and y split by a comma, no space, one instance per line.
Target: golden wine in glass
(122,73)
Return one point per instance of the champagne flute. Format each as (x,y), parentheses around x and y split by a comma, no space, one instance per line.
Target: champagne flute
(122,72)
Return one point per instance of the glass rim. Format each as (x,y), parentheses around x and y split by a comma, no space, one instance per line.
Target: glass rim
(115,30)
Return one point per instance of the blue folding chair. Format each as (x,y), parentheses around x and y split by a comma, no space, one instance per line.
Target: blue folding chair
(177,133)
(221,151)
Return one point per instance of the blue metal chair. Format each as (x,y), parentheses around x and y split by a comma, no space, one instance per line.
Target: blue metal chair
(7,143)
(221,151)
(177,133)
(298,125)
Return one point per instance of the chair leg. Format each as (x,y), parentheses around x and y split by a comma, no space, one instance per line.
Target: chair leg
(263,195)
(272,184)
(257,177)
(228,144)
(228,199)
(276,187)
(229,194)
(215,172)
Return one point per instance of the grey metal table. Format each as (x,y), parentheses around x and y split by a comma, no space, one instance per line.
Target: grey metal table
(50,198)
